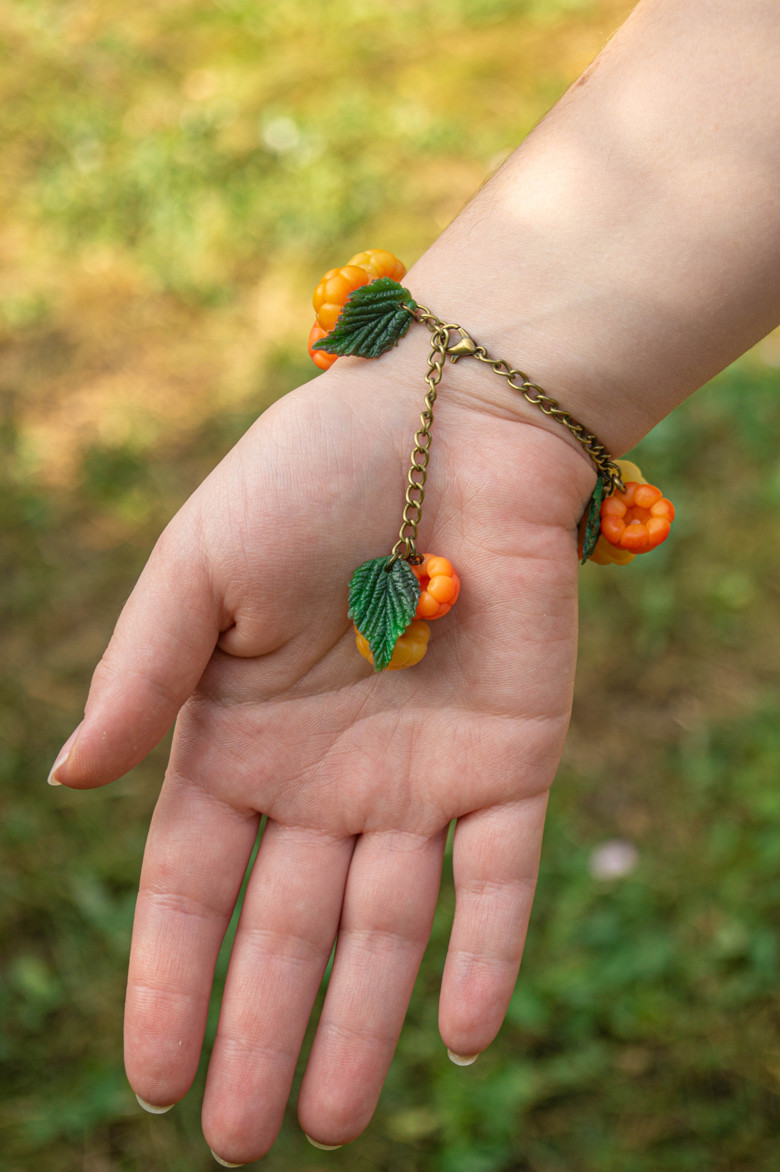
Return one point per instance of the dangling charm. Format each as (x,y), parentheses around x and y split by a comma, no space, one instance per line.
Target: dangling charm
(629,521)
(381,598)
(330,298)
(363,311)
(439,587)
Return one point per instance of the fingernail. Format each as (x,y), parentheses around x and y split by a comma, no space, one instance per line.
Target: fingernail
(62,756)
(323,1147)
(150,1107)
(462,1059)
(224,1163)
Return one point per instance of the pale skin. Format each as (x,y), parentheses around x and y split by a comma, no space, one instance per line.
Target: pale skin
(624,254)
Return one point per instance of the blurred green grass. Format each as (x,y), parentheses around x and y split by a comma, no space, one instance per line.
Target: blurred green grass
(175,181)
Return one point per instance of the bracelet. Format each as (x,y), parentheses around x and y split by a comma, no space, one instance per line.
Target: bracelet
(362,310)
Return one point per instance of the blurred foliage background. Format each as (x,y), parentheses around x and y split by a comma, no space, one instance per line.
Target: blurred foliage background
(175,179)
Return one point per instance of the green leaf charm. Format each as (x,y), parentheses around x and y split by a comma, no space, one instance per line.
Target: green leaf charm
(382,604)
(592,519)
(371,321)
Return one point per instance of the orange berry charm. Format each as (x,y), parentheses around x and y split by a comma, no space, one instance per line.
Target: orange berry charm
(629,523)
(409,649)
(439,586)
(319,357)
(333,290)
(330,297)
(638,519)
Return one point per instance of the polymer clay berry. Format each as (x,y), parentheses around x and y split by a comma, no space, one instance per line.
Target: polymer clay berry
(606,554)
(379,263)
(628,510)
(319,357)
(333,290)
(638,519)
(409,648)
(439,587)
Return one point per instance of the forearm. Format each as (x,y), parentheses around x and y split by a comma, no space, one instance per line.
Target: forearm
(630,248)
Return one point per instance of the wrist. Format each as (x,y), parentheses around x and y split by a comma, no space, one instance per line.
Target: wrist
(529,449)
(468,373)
(533,315)
(628,250)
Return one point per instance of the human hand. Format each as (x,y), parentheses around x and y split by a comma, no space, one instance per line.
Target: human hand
(238,624)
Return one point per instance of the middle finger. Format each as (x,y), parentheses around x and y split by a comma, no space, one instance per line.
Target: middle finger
(388,911)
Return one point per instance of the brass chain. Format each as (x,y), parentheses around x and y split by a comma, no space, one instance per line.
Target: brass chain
(406,547)
(464,346)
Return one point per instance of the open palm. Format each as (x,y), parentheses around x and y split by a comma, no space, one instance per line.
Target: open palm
(239,625)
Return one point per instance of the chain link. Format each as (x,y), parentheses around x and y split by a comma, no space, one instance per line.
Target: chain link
(405,547)
(466,347)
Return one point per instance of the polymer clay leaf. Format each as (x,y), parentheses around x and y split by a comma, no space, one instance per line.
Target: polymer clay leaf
(372,320)
(592,519)
(382,604)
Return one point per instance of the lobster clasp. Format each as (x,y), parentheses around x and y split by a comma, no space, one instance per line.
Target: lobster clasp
(464,345)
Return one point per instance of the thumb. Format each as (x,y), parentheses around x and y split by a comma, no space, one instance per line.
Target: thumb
(161,644)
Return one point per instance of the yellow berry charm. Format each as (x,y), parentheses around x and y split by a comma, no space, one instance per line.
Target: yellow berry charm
(333,290)
(610,555)
(409,649)
(374,266)
(379,263)
(389,597)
